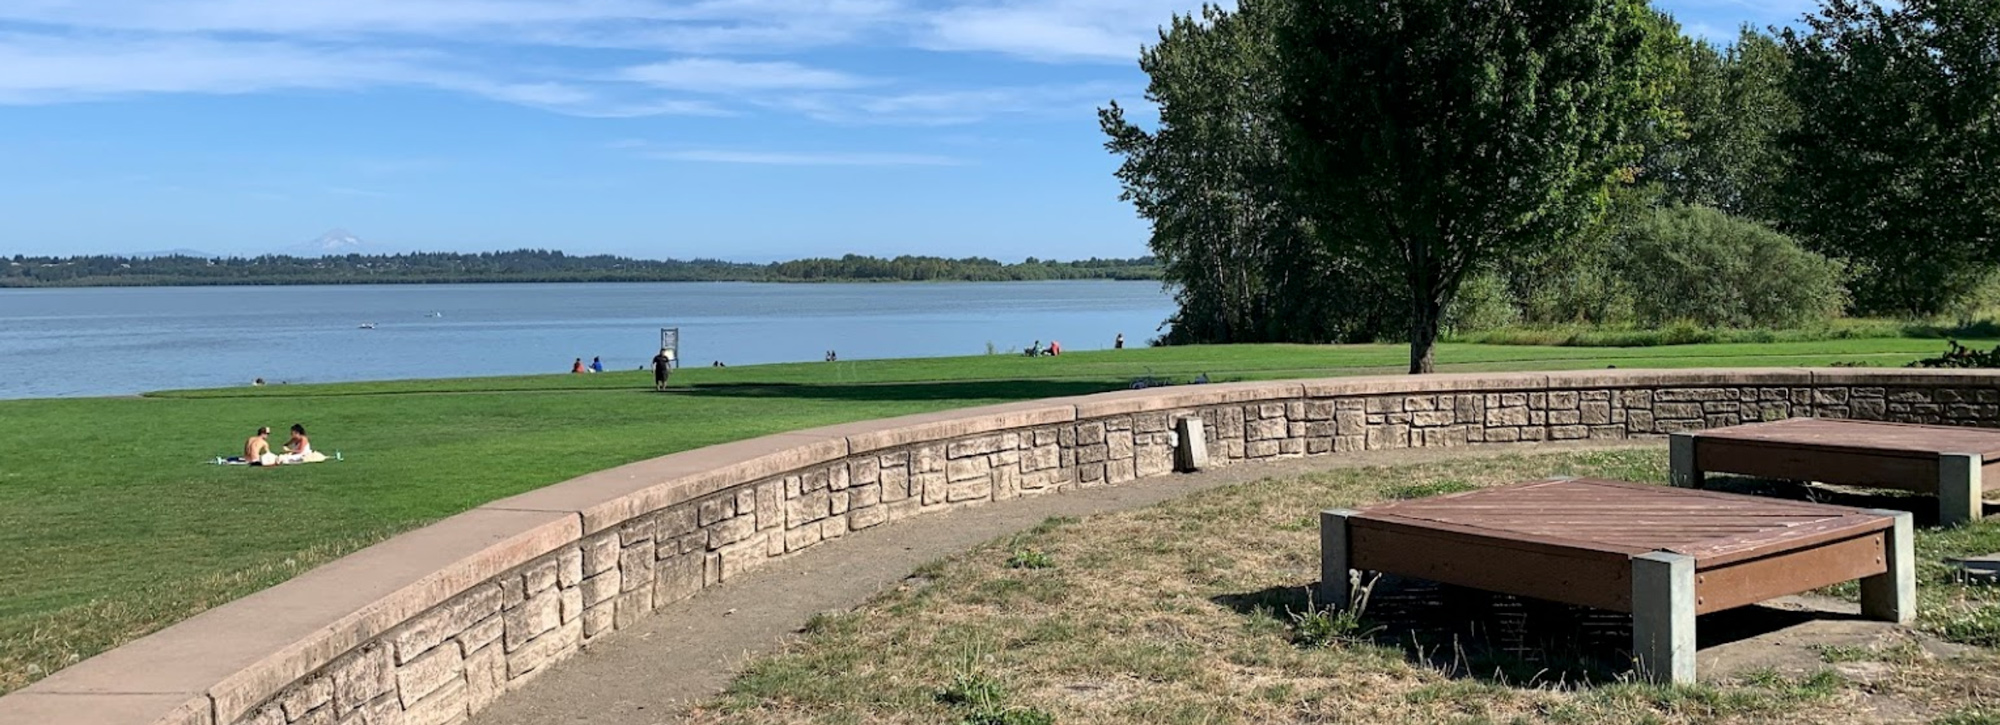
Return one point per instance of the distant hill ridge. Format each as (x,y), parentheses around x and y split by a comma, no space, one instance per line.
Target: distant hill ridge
(534,265)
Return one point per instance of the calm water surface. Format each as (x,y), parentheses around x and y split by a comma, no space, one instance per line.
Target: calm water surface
(110,341)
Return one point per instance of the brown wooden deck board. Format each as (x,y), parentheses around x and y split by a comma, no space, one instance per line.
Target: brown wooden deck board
(1863,436)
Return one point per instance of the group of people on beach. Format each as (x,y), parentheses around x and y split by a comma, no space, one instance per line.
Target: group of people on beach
(257,449)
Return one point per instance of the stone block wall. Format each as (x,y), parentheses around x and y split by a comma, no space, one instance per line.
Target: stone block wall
(457,656)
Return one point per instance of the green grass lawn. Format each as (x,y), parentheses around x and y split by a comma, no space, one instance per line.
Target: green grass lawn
(116,525)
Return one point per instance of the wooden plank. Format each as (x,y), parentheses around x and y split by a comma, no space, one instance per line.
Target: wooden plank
(1728,550)
(1756,580)
(1864,436)
(1756,458)
(1588,578)
(1496,537)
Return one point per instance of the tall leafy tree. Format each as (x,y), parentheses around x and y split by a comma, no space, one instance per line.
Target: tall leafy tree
(1729,106)
(1210,178)
(1896,158)
(1429,136)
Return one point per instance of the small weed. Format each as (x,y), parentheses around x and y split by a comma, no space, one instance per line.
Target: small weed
(1009,716)
(1030,559)
(1324,627)
(972,689)
(1837,653)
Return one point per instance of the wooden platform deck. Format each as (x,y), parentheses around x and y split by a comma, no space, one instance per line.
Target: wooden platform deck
(1954,463)
(1608,544)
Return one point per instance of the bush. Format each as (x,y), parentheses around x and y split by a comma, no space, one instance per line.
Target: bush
(1482,303)
(1696,265)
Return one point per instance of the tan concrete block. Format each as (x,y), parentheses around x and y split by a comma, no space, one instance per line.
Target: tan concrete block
(631,606)
(770,508)
(731,531)
(445,622)
(478,636)
(540,577)
(485,678)
(306,696)
(635,566)
(572,603)
(970,490)
(966,469)
(424,675)
(600,554)
(601,588)
(914,429)
(569,567)
(679,578)
(599,620)
(363,675)
(808,508)
(444,707)
(859,519)
(539,614)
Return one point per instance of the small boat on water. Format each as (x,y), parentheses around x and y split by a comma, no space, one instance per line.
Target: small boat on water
(433,314)
(367,325)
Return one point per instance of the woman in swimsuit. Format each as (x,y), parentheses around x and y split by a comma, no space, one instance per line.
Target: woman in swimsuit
(299,446)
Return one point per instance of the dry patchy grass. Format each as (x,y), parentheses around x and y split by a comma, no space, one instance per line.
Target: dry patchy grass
(1191,612)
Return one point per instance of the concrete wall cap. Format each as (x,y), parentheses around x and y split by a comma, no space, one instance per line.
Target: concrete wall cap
(40,708)
(1689,377)
(1905,376)
(890,433)
(1413,384)
(1127,402)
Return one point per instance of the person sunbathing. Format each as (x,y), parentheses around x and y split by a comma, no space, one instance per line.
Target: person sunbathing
(299,448)
(257,449)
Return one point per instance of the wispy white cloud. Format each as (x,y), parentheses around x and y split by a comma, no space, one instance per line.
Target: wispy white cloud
(712,75)
(778,158)
(1053,30)
(567,56)
(953,107)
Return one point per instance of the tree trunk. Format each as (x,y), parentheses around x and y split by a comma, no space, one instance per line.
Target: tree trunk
(1424,335)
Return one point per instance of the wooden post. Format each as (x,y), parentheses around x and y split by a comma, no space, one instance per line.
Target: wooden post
(1961,493)
(1663,644)
(1336,582)
(1892,595)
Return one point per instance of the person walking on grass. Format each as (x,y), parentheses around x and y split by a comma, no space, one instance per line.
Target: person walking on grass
(662,363)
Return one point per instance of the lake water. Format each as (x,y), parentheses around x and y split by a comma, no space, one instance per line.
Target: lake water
(119,340)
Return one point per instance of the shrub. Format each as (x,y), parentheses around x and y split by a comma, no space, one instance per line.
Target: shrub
(1960,356)
(1696,265)
(1482,303)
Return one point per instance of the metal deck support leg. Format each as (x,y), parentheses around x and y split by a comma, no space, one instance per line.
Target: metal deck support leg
(1961,494)
(1336,583)
(1892,595)
(1680,461)
(1663,642)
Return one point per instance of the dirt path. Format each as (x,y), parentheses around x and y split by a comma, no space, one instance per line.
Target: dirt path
(688,651)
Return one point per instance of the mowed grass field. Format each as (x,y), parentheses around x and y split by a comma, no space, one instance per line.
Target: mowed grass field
(115,524)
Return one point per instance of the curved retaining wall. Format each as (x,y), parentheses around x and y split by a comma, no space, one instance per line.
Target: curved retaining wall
(432,625)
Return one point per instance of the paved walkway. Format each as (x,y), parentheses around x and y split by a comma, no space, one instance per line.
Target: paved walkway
(688,651)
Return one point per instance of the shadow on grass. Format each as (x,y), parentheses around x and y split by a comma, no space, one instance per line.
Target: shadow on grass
(946,390)
(1505,639)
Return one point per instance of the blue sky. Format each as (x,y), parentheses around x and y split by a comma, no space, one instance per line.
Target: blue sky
(740,129)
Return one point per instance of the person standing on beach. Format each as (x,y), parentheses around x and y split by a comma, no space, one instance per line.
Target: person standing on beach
(661,364)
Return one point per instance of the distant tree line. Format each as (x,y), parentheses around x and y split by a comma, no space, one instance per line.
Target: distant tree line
(535,265)
(1350,170)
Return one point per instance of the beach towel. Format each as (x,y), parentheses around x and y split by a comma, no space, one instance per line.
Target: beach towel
(287,459)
